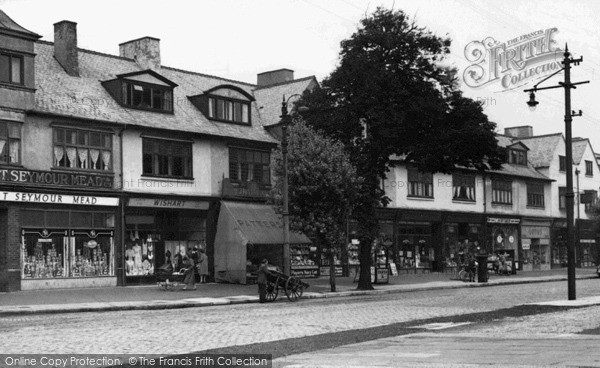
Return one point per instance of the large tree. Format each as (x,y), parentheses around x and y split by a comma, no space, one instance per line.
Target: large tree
(323,187)
(392,97)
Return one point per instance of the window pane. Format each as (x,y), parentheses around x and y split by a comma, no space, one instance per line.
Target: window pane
(82,220)
(157,99)
(71,137)
(4,68)
(14,151)
(16,70)
(229,115)
(163,165)
(96,139)
(245,115)
(32,218)
(238,112)
(146,97)
(211,107)
(178,166)
(147,163)
(107,140)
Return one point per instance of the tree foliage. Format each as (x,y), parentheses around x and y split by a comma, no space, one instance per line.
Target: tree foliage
(391,79)
(323,185)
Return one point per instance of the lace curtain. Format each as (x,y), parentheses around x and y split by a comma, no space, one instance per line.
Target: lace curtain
(2,144)
(71,155)
(106,159)
(94,154)
(58,155)
(83,158)
(14,151)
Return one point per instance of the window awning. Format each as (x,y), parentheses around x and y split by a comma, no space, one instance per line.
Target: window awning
(259,224)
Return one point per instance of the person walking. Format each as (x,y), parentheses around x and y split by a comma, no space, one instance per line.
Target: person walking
(263,273)
(189,276)
(202,266)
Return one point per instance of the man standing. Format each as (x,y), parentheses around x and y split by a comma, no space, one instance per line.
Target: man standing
(263,272)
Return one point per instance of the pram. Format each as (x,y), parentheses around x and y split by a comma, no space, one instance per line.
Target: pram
(167,279)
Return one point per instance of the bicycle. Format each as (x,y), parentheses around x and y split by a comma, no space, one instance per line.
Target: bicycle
(466,274)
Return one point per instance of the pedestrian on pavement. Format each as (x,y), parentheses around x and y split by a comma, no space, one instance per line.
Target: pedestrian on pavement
(189,278)
(202,266)
(263,273)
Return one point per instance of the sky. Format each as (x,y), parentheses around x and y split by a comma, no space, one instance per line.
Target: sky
(237,39)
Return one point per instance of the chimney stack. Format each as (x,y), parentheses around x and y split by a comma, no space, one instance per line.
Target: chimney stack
(274,77)
(65,46)
(524,131)
(145,51)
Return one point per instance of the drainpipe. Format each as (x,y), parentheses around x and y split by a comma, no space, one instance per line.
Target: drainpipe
(119,261)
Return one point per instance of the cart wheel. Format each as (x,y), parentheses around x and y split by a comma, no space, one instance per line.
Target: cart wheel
(293,288)
(272,291)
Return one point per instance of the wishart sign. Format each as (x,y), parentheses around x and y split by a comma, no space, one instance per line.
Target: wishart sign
(26,197)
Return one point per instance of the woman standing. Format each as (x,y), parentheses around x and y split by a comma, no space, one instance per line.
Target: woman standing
(202,266)
(189,278)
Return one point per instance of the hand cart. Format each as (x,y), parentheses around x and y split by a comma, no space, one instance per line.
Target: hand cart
(291,285)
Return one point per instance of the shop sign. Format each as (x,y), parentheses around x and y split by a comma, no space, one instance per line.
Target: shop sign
(55,178)
(167,203)
(251,189)
(535,232)
(303,273)
(58,199)
(324,270)
(499,220)
(383,275)
(587,240)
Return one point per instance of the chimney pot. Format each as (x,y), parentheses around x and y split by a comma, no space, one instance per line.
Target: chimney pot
(65,46)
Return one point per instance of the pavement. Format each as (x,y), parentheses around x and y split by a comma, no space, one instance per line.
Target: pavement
(149,297)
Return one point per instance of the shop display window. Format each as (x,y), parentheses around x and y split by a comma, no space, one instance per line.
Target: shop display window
(140,253)
(44,254)
(91,254)
(353,253)
(303,255)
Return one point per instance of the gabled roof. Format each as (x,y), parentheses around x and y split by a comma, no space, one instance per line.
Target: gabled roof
(517,145)
(269,98)
(579,146)
(84,97)
(542,148)
(150,72)
(9,26)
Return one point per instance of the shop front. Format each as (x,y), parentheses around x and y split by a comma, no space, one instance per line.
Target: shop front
(159,231)
(249,232)
(63,240)
(462,236)
(535,243)
(503,241)
(559,252)
(587,253)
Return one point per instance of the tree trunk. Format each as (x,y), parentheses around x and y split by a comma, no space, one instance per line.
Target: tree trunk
(364,281)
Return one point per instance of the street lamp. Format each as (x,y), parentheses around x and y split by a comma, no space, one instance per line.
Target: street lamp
(567,85)
(285,120)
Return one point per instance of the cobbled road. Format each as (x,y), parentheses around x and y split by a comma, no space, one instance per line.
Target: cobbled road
(178,331)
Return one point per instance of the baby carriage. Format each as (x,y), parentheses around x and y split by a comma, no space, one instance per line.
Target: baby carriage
(167,279)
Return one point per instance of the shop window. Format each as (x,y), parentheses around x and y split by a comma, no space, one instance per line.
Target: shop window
(82,149)
(228,110)
(10,143)
(562,163)
(58,219)
(167,158)
(91,254)
(249,165)
(589,168)
(45,254)
(148,97)
(82,220)
(463,187)
(501,191)
(11,69)
(419,184)
(535,195)
(591,195)
(562,199)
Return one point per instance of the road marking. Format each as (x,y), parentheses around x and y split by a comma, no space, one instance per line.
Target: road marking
(441,326)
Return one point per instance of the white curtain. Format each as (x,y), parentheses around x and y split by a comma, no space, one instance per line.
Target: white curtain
(2,144)
(83,157)
(14,151)
(71,155)
(106,159)
(58,154)
(94,154)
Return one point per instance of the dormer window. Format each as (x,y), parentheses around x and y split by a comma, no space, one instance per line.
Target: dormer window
(144,96)
(518,157)
(145,90)
(11,69)
(225,103)
(233,111)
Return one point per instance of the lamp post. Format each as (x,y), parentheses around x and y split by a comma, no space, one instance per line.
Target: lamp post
(285,120)
(567,85)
